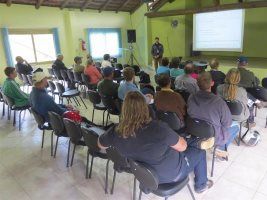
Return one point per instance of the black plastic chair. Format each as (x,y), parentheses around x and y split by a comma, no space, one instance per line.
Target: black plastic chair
(95,99)
(203,130)
(43,126)
(3,102)
(86,82)
(183,93)
(149,182)
(90,136)
(11,106)
(74,131)
(29,77)
(53,89)
(71,76)
(25,82)
(51,72)
(70,94)
(171,119)
(113,106)
(78,78)
(58,127)
(57,74)
(64,75)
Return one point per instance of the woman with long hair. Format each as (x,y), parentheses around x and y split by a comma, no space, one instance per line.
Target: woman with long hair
(232,92)
(152,142)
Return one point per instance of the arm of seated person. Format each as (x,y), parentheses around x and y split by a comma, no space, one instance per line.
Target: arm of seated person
(181,145)
(106,140)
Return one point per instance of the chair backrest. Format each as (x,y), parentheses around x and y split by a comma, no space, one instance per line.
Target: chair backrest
(57,74)
(29,77)
(77,76)
(111,104)
(171,119)
(199,128)
(60,88)
(183,93)
(56,122)
(64,74)
(120,163)
(70,75)
(25,79)
(94,97)
(38,118)
(147,177)
(73,130)
(264,83)
(235,107)
(50,71)
(52,86)
(10,102)
(90,139)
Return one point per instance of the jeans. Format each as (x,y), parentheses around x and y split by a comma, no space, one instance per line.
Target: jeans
(233,132)
(195,160)
(251,114)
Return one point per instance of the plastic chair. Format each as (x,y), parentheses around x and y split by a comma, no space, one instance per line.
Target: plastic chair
(95,99)
(149,182)
(113,106)
(171,119)
(43,126)
(86,82)
(53,89)
(75,133)
(64,75)
(58,127)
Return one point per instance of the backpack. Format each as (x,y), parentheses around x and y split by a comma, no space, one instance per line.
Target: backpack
(252,138)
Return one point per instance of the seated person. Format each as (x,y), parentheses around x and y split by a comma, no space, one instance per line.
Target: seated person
(145,84)
(58,64)
(152,142)
(175,70)
(128,85)
(22,66)
(92,72)
(247,78)
(78,67)
(107,87)
(168,100)
(164,67)
(205,105)
(12,90)
(119,66)
(185,81)
(106,62)
(230,91)
(216,75)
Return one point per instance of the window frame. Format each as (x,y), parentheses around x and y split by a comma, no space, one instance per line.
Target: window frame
(105,30)
(33,32)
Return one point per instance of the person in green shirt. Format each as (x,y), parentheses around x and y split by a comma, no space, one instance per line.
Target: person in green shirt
(12,90)
(78,67)
(175,70)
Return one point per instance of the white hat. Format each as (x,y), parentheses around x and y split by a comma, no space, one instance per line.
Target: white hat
(38,77)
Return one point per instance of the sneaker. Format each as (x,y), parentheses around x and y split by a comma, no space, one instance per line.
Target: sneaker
(207,144)
(209,184)
(250,125)
(222,154)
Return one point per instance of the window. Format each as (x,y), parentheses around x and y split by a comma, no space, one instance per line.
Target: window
(103,41)
(34,48)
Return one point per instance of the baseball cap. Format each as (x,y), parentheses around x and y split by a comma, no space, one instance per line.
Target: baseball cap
(77,58)
(107,71)
(242,59)
(38,77)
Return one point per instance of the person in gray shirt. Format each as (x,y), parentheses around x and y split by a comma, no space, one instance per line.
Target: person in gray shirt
(185,81)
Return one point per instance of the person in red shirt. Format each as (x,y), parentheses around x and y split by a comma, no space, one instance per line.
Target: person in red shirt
(92,72)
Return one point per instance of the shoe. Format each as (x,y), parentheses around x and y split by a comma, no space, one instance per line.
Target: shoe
(221,154)
(207,143)
(250,125)
(209,184)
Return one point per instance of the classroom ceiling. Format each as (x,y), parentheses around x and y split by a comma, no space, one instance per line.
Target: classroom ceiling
(100,5)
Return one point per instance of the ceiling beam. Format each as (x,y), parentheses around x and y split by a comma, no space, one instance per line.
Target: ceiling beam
(103,7)
(64,4)
(122,5)
(87,2)
(136,8)
(244,5)
(159,4)
(38,4)
(8,2)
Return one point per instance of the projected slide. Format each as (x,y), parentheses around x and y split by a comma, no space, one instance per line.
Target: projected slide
(219,31)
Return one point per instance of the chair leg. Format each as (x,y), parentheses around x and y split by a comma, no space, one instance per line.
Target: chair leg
(20,120)
(55,152)
(134,189)
(191,192)
(140,195)
(68,153)
(3,112)
(43,139)
(93,115)
(74,148)
(87,164)
(75,101)
(106,181)
(213,160)
(8,112)
(107,119)
(83,103)
(52,143)
(113,182)
(14,117)
(103,120)
(91,167)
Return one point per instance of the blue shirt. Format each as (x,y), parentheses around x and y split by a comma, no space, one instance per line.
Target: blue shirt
(163,70)
(126,87)
(42,103)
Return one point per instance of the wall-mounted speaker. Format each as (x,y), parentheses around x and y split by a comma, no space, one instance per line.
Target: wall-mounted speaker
(131,35)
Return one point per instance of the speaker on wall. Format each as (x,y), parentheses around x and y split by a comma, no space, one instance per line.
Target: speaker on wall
(131,35)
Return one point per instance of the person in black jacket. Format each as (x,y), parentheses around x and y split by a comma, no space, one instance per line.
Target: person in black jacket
(22,66)
(58,64)
(217,76)
(157,53)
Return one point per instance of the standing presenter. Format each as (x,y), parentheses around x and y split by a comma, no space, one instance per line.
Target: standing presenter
(157,51)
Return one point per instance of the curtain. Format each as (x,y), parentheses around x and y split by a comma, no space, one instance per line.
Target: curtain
(7,48)
(56,40)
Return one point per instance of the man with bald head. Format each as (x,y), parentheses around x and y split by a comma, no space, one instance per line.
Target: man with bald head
(22,66)
(58,64)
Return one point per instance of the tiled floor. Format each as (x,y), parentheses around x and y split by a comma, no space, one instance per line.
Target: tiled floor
(29,172)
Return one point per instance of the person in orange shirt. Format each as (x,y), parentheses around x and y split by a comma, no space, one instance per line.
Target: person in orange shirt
(92,72)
